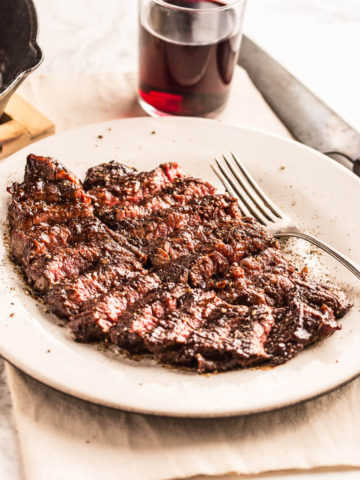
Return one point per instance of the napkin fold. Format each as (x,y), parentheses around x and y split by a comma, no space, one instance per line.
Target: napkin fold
(66,438)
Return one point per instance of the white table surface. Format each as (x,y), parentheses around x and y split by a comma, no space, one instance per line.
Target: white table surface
(317,40)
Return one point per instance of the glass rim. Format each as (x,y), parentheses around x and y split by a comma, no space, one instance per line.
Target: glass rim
(221,8)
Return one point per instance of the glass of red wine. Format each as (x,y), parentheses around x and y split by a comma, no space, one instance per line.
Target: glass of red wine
(187,54)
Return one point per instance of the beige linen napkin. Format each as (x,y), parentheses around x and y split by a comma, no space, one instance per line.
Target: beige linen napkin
(65,438)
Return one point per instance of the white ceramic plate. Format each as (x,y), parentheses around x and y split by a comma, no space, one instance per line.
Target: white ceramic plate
(315,191)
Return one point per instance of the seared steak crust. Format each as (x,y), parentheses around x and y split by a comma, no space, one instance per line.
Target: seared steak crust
(48,168)
(133,188)
(235,239)
(181,192)
(106,175)
(196,329)
(27,213)
(68,297)
(156,262)
(98,315)
(208,210)
(48,191)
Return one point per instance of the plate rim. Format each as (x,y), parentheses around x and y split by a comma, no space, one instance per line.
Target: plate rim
(53,384)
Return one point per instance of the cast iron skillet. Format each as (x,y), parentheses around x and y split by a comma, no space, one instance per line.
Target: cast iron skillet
(19,52)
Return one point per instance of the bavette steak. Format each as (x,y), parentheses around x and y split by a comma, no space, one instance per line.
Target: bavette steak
(157,262)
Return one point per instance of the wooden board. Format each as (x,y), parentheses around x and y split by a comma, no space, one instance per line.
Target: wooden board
(22,124)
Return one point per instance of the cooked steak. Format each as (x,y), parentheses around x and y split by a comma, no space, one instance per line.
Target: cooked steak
(47,270)
(132,188)
(97,316)
(55,192)
(195,328)
(208,210)
(106,174)
(71,295)
(26,214)
(298,325)
(270,279)
(42,239)
(181,192)
(156,262)
(48,168)
(38,240)
(234,239)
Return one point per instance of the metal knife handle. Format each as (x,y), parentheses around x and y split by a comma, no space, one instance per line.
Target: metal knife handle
(307,118)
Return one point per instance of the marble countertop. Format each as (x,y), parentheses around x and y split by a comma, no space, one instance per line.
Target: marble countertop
(317,40)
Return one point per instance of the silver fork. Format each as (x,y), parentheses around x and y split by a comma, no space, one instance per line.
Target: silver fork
(254,203)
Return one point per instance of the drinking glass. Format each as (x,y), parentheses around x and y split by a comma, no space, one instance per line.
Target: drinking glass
(187,54)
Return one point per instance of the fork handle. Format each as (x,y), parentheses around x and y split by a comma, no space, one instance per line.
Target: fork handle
(352,266)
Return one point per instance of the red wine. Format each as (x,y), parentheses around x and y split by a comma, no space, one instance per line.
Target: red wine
(182,72)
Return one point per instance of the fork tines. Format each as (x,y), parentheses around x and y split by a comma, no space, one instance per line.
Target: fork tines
(239,183)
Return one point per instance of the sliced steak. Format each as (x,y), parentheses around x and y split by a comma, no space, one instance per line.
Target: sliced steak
(137,187)
(197,270)
(38,240)
(45,239)
(181,192)
(27,214)
(270,279)
(48,168)
(232,337)
(162,223)
(96,318)
(130,329)
(169,268)
(51,192)
(234,239)
(197,329)
(208,262)
(70,296)
(258,279)
(297,326)
(106,174)
(47,270)
(318,294)
(130,247)
(67,263)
